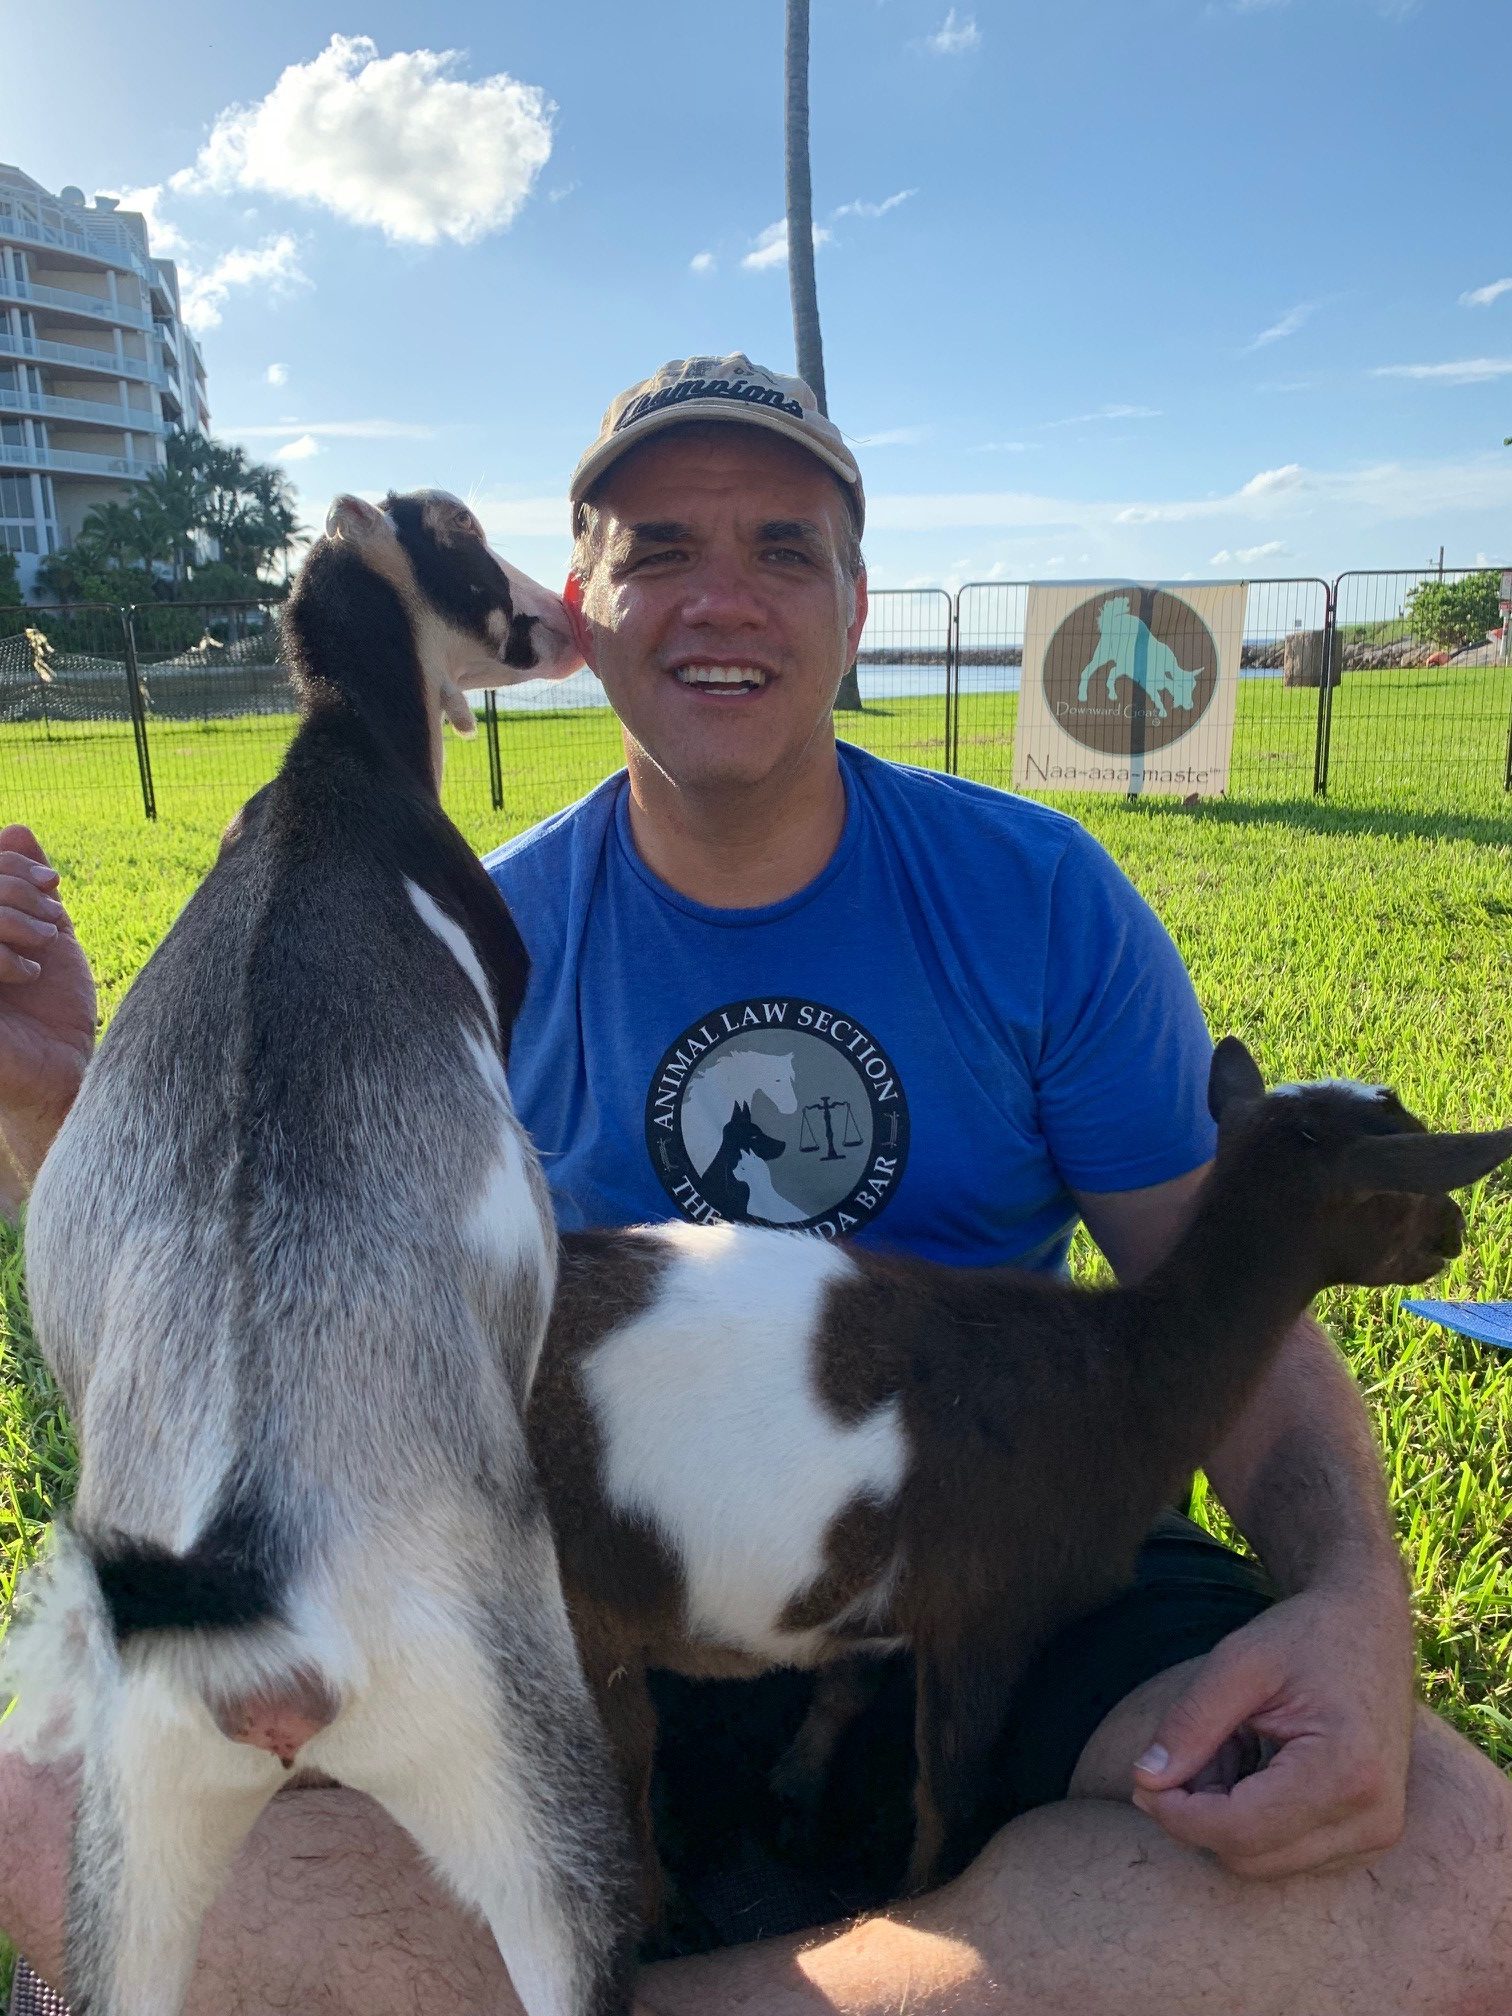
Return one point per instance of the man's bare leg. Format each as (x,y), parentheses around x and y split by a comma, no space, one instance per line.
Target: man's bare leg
(1080,1909)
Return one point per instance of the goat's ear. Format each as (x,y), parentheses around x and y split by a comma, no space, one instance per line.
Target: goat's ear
(352,518)
(1234,1077)
(1423,1164)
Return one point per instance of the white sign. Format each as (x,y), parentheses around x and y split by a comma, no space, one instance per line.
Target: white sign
(1129,688)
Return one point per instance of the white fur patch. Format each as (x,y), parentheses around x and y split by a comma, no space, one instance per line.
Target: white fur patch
(503,1224)
(713,1430)
(1371,1092)
(457,942)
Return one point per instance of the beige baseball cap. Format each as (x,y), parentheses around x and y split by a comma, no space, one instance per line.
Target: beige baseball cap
(717,388)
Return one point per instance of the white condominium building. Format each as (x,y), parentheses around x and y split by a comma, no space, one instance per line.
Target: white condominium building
(95,363)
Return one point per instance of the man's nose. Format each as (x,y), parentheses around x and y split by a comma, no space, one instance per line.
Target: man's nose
(721,593)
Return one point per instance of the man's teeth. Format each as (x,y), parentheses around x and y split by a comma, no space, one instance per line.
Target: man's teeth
(721,675)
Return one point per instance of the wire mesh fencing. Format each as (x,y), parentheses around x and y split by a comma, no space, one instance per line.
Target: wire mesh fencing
(1422,700)
(899,703)
(70,721)
(1383,683)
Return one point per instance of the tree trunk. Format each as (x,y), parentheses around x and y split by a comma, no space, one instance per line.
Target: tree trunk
(803,290)
(800,207)
(848,695)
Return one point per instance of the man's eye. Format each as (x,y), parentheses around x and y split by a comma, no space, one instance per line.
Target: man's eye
(665,553)
(787,553)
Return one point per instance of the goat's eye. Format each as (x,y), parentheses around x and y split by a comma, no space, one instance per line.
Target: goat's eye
(464,521)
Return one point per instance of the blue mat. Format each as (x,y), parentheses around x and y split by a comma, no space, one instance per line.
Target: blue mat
(1486,1322)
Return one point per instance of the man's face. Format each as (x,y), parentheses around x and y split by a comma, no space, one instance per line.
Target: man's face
(723,551)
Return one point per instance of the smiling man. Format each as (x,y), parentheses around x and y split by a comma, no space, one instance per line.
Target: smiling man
(781,980)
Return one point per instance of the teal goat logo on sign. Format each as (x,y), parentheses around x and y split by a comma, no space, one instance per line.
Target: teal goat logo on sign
(1127,650)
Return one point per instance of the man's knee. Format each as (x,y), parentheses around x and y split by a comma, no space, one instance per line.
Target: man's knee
(36,1822)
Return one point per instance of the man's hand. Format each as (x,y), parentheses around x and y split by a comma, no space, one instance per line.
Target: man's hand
(1324,1680)
(47,1004)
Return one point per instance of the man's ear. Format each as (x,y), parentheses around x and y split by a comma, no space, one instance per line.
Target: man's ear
(582,636)
(858,620)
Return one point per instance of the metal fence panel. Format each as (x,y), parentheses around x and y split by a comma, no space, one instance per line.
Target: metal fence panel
(1423,699)
(1276,716)
(989,656)
(903,675)
(67,728)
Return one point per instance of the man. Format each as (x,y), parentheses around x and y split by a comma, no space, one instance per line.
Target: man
(753,932)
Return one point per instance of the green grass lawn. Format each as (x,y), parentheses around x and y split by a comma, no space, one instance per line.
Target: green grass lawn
(1366,936)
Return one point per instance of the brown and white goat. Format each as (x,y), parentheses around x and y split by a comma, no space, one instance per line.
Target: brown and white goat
(291,1260)
(762,1450)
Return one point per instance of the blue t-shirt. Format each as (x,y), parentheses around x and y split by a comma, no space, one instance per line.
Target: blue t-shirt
(967,1014)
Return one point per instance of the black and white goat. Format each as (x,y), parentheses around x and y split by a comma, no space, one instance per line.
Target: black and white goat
(762,1450)
(291,1261)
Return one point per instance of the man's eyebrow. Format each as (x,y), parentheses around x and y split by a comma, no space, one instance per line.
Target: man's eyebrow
(659,532)
(803,530)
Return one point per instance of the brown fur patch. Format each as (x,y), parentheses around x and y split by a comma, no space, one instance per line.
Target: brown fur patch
(858,1547)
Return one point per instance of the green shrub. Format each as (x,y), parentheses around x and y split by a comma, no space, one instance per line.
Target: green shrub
(1454,614)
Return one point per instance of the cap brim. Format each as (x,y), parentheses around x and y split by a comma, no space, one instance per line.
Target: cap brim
(606,453)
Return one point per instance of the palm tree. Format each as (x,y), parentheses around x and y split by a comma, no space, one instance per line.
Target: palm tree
(177,490)
(802,288)
(109,538)
(808,343)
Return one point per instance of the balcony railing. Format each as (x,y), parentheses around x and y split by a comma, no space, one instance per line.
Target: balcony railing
(17,289)
(76,354)
(102,412)
(72,461)
(108,243)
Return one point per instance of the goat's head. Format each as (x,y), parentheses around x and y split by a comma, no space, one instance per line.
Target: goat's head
(1359,1174)
(477,621)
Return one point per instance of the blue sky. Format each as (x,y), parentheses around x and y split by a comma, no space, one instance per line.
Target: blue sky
(1143,287)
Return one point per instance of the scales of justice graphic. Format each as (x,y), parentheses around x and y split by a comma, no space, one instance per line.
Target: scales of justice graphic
(827,1109)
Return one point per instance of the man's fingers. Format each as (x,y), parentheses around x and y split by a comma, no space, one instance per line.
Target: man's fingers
(16,967)
(21,893)
(26,934)
(21,840)
(1269,1820)
(1227,1689)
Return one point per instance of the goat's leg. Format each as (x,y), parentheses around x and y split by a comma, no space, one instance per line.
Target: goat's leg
(488,1751)
(842,1691)
(617,1678)
(164,1803)
(961,1706)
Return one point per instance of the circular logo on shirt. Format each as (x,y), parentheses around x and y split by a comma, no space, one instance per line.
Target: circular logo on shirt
(1130,671)
(778,1111)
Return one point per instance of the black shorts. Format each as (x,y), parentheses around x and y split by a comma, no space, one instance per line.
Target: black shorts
(743,1871)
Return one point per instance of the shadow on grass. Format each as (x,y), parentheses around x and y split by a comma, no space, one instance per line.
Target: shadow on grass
(1318,815)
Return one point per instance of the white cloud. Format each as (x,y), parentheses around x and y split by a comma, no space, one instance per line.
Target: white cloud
(771,248)
(274,266)
(893,437)
(389,141)
(705,262)
(277,374)
(1288,325)
(1467,371)
(341,430)
(1269,481)
(863,209)
(1482,297)
(1109,413)
(954,37)
(1245,556)
(164,238)
(299,450)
